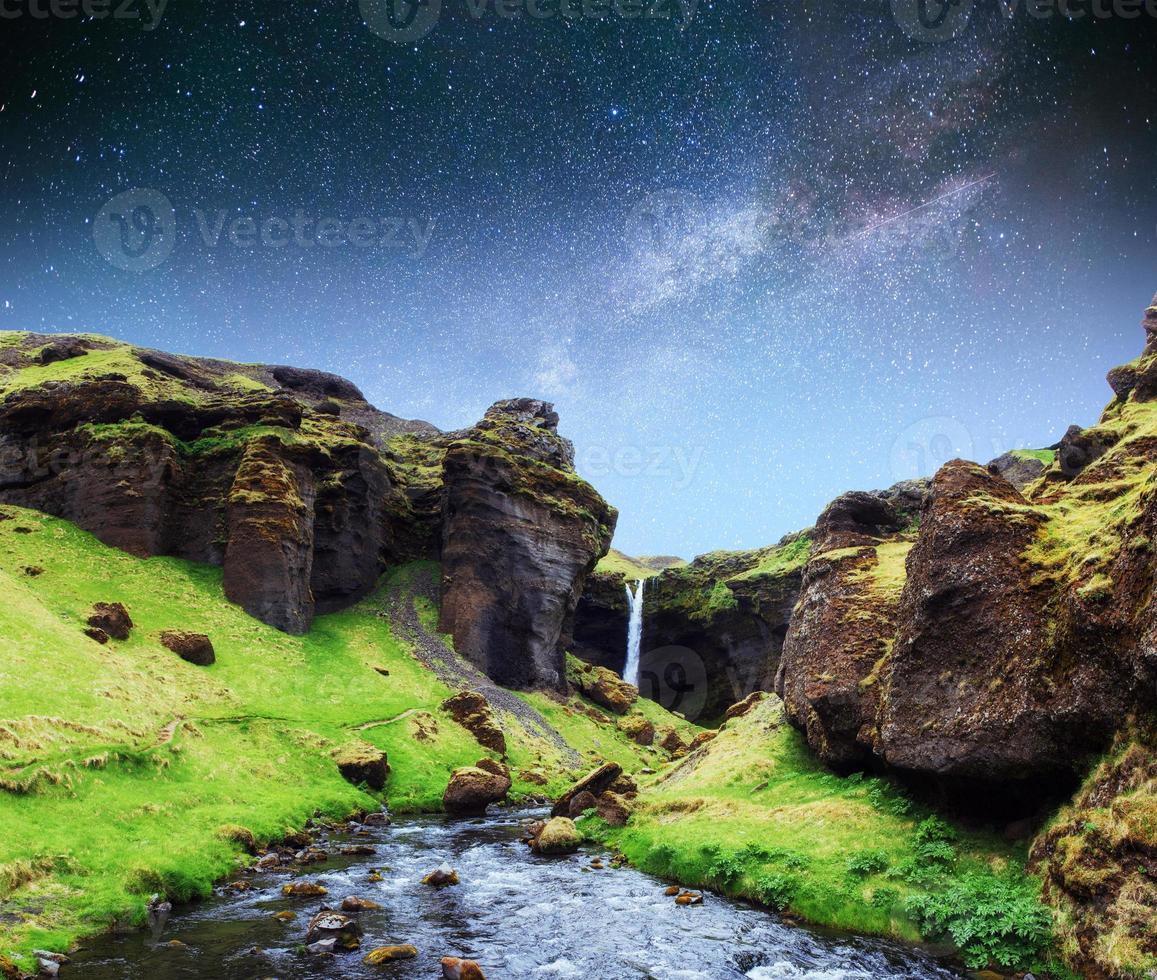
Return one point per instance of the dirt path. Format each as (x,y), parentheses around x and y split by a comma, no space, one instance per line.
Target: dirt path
(454,671)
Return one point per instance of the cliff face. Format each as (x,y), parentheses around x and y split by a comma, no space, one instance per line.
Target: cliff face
(722,619)
(302,490)
(520,534)
(842,628)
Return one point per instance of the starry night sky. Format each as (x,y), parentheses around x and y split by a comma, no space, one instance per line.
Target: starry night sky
(757,257)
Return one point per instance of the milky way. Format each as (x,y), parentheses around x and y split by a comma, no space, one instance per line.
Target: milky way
(757,253)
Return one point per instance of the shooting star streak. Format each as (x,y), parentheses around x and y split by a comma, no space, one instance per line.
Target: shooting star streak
(921,207)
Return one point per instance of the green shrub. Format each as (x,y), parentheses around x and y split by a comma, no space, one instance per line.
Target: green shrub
(726,869)
(993,921)
(775,889)
(884,898)
(867,863)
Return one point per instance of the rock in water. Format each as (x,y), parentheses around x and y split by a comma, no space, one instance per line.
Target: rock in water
(442,876)
(520,533)
(112,619)
(456,969)
(473,788)
(196,648)
(390,954)
(559,836)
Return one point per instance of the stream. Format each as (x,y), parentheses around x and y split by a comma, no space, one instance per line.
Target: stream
(517,914)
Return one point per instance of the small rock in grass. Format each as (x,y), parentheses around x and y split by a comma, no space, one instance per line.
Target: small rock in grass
(113,618)
(193,648)
(388,954)
(32,571)
(96,633)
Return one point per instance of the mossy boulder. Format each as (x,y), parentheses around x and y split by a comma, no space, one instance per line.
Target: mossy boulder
(390,954)
(473,788)
(558,836)
(472,711)
(602,686)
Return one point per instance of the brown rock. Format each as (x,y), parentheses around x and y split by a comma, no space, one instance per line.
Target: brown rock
(593,783)
(96,633)
(638,729)
(520,533)
(327,924)
(112,618)
(559,836)
(741,708)
(613,809)
(689,898)
(303,889)
(196,648)
(472,789)
(581,803)
(472,711)
(390,954)
(441,877)
(352,903)
(361,763)
(672,891)
(603,686)
(455,969)
(671,741)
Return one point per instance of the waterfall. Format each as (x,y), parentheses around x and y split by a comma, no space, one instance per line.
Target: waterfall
(634,633)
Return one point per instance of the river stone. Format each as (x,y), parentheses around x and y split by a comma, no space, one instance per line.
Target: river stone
(388,954)
(441,877)
(559,836)
(473,788)
(456,969)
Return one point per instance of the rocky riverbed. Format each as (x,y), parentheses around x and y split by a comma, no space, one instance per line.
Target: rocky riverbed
(517,914)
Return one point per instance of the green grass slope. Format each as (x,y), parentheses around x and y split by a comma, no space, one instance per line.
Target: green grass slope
(751,813)
(125,771)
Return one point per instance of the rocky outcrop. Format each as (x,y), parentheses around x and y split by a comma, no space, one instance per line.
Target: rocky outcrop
(473,712)
(1096,855)
(112,619)
(725,615)
(303,491)
(594,783)
(842,627)
(520,533)
(362,763)
(604,687)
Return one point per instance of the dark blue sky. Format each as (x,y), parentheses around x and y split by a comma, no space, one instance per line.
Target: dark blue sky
(757,257)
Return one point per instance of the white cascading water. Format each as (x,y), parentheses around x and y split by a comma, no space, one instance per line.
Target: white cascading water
(634,633)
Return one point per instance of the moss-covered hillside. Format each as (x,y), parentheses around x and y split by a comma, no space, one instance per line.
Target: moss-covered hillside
(125,771)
